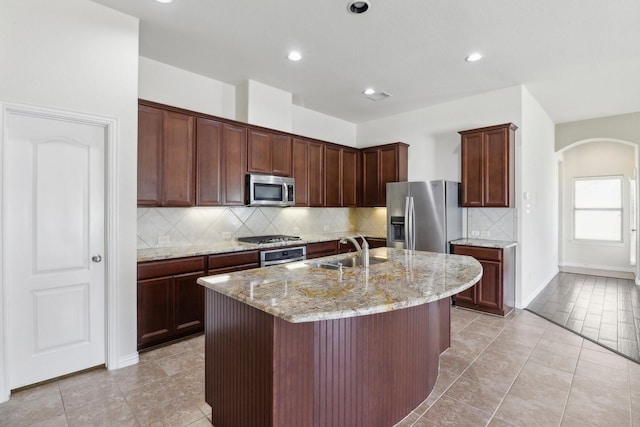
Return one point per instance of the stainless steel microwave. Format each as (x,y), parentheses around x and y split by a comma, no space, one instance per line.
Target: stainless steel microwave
(269,190)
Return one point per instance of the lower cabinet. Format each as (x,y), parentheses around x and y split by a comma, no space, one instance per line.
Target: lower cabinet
(170,302)
(495,292)
(320,249)
(373,242)
(235,261)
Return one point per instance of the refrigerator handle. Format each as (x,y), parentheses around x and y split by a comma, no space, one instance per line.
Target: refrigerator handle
(407,226)
(412,211)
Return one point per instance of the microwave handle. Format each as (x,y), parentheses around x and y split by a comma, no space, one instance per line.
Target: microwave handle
(285,190)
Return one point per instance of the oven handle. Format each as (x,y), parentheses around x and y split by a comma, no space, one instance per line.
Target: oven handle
(282,261)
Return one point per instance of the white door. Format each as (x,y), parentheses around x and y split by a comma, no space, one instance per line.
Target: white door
(55,275)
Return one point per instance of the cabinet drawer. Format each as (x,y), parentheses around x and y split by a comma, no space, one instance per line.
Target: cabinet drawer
(489,254)
(170,267)
(233,259)
(321,249)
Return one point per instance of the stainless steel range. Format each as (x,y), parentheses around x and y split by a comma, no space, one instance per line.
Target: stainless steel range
(275,238)
(278,255)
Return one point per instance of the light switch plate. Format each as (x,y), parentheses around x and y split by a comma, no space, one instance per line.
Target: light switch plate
(485,233)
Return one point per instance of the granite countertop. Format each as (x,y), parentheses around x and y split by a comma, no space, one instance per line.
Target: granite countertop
(156,254)
(484,243)
(299,292)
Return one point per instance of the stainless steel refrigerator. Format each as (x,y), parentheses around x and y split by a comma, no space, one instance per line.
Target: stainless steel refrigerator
(423,216)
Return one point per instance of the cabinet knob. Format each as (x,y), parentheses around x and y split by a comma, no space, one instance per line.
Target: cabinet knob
(96,258)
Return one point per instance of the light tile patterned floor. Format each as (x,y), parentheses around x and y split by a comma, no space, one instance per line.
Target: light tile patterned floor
(518,371)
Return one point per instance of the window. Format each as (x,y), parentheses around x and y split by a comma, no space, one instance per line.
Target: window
(597,208)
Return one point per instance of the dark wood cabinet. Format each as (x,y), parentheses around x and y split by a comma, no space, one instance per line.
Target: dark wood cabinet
(170,302)
(321,249)
(234,155)
(332,176)
(350,177)
(494,293)
(166,158)
(221,154)
(316,172)
(372,241)
(380,165)
(268,153)
(236,261)
(300,169)
(210,164)
(487,169)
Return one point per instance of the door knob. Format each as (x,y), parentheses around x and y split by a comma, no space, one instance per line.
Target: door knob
(96,258)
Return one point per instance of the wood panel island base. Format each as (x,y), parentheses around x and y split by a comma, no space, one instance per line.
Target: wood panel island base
(303,345)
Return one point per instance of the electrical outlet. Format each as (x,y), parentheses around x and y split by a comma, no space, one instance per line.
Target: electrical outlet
(164,240)
(475,233)
(226,235)
(296,230)
(485,233)
(325,228)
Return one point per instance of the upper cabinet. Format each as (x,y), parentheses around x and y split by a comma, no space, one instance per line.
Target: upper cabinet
(221,163)
(166,158)
(268,153)
(488,158)
(380,165)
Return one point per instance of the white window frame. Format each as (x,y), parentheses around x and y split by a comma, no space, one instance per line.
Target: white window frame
(620,178)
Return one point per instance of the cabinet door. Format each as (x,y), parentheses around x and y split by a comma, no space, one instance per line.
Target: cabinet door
(188,304)
(259,152)
(472,172)
(316,174)
(155,311)
(281,155)
(489,288)
(300,153)
(149,156)
(332,176)
(496,172)
(350,174)
(234,157)
(370,177)
(388,159)
(178,171)
(467,296)
(209,163)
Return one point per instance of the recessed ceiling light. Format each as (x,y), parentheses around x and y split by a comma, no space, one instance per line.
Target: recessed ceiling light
(358,7)
(369,91)
(294,55)
(475,56)
(164,1)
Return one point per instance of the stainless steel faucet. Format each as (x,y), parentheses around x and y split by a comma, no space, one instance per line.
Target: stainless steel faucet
(363,251)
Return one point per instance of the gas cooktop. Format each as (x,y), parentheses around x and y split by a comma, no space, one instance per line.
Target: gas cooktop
(268,239)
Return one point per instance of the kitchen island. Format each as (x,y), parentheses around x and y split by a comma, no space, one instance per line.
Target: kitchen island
(308,344)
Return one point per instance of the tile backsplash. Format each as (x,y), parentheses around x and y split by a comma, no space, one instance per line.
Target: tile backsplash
(492,223)
(163,227)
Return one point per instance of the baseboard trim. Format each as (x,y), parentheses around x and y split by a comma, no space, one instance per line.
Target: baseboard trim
(602,272)
(539,289)
(127,360)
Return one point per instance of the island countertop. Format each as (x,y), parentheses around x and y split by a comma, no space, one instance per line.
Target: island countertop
(300,292)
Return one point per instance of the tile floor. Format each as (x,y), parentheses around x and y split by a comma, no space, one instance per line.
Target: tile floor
(518,371)
(602,309)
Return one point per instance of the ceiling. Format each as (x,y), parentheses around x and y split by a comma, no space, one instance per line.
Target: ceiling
(579,58)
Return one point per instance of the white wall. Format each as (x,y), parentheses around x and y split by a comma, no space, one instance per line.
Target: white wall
(169,85)
(432,133)
(537,189)
(262,105)
(79,56)
(599,158)
(321,126)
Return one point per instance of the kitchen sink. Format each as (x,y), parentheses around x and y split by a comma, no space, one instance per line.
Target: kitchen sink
(346,262)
